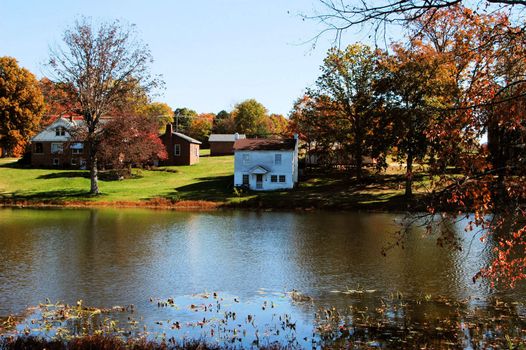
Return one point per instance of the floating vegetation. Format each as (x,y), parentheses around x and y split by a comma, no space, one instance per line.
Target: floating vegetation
(271,320)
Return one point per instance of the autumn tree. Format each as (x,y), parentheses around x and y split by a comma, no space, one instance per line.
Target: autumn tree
(348,78)
(340,16)
(417,87)
(314,119)
(59,100)
(250,118)
(21,106)
(130,141)
(201,127)
(103,64)
(278,125)
(485,53)
(158,111)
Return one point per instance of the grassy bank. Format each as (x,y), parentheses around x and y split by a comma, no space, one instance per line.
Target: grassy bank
(204,185)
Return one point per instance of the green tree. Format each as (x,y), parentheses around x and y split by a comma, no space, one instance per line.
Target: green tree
(183,118)
(223,123)
(21,106)
(250,118)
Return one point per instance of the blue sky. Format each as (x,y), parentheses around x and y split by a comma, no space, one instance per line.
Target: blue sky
(212,54)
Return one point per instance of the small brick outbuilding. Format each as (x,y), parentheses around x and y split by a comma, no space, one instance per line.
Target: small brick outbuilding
(181,149)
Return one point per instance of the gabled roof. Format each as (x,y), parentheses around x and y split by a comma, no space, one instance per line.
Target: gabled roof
(225,137)
(259,169)
(48,134)
(187,138)
(265,145)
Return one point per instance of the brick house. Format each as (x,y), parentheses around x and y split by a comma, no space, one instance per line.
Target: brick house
(181,149)
(223,144)
(54,147)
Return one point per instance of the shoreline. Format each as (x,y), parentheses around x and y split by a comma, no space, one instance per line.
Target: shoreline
(203,205)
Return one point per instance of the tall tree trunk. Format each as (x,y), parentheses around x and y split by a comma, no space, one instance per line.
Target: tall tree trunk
(409,175)
(93,172)
(358,161)
(93,166)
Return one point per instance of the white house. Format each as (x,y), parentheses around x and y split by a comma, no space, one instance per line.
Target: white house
(266,164)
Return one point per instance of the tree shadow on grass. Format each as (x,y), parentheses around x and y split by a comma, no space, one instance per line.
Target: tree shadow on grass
(216,188)
(55,196)
(64,174)
(298,199)
(102,176)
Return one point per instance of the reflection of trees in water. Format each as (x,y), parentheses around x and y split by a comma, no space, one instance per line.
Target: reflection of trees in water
(344,251)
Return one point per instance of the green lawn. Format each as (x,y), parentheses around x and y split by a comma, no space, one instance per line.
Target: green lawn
(211,180)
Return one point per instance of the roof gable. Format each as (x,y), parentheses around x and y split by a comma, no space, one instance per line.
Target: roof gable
(48,134)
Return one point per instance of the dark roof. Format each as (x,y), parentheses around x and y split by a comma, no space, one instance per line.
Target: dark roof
(264,145)
(187,138)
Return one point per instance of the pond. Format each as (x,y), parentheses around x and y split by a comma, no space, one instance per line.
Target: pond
(247,260)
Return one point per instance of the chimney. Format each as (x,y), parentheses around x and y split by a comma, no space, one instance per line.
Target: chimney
(236,136)
(169,129)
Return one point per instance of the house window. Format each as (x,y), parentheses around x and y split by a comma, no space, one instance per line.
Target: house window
(177,149)
(39,147)
(277,159)
(282,178)
(245,179)
(74,161)
(83,163)
(57,148)
(60,131)
(56,161)
(273,178)
(197,151)
(77,148)
(246,159)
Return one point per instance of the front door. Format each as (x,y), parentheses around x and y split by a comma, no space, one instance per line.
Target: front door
(259,181)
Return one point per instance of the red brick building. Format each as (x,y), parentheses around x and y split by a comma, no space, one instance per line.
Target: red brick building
(223,144)
(181,149)
(54,148)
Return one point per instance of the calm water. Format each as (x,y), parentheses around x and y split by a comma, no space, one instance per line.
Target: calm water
(112,257)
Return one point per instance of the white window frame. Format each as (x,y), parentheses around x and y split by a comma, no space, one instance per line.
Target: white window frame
(177,149)
(74,161)
(79,150)
(59,147)
(277,159)
(60,131)
(56,162)
(243,177)
(197,151)
(246,158)
(282,178)
(273,178)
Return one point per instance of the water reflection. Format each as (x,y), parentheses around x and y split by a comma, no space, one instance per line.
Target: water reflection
(110,257)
